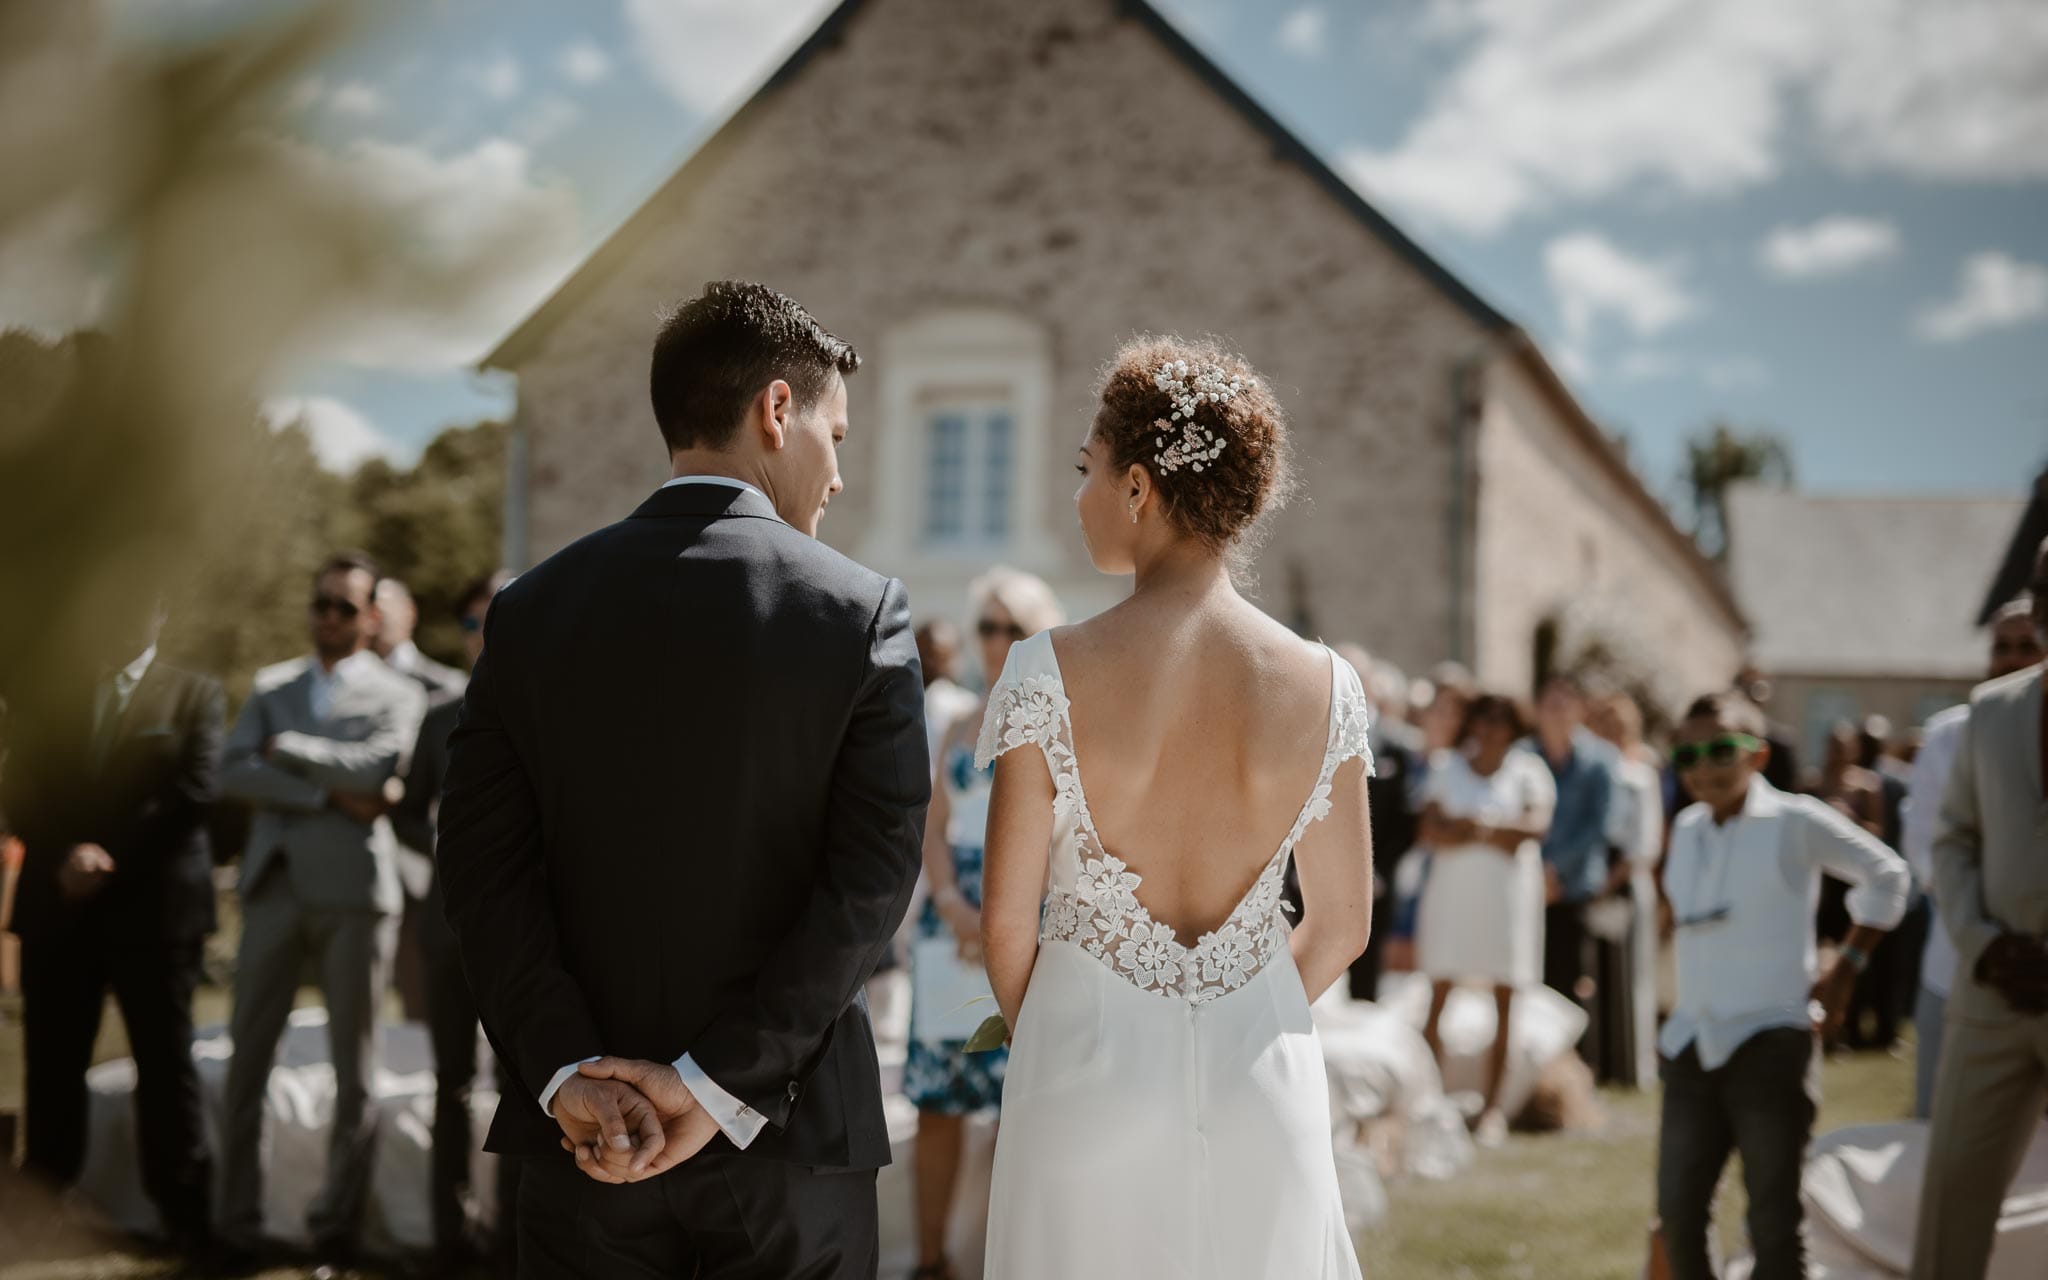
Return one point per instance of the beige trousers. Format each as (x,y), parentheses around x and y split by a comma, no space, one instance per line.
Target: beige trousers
(1988,1101)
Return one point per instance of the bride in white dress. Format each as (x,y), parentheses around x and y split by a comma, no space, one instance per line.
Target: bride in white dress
(1166,1112)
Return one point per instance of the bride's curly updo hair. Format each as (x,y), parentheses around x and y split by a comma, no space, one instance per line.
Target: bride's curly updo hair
(1218,477)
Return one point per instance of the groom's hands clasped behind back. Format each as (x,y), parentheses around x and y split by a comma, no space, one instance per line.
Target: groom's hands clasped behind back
(626,1119)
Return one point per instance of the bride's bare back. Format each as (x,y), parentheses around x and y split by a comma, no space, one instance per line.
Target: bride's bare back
(1198,733)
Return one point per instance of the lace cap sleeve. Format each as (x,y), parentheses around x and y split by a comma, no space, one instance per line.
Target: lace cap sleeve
(1026,707)
(1352,732)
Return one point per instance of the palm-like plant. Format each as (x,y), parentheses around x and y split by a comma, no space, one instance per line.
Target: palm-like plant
(1719,457)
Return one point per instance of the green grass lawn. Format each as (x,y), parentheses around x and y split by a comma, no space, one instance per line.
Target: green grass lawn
(1579,1205)
(1544,1207)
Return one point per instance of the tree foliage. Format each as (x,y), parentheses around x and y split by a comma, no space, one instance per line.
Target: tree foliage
(1717,458)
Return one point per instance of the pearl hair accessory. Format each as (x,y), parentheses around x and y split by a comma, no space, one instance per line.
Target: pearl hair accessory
(1189,390)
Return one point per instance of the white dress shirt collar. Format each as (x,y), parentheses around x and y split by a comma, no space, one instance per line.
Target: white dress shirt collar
(131,675)
(730,482)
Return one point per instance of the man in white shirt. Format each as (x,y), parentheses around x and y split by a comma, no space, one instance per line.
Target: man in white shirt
(2014,647)
(1741,1054)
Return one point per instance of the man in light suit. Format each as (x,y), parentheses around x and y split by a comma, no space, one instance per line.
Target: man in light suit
(311,753)
(1991,883)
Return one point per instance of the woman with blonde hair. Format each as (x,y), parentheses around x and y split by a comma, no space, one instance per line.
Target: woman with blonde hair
(946,1083)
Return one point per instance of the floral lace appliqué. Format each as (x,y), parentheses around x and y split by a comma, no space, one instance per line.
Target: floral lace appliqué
(1100,912)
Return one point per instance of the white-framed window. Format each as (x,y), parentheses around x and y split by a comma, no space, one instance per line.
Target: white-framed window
(970,480)
(966,460)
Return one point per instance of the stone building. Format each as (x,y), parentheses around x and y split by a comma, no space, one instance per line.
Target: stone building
(986,199)
(1866,605)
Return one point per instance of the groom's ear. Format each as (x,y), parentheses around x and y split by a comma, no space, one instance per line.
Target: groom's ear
(772,413)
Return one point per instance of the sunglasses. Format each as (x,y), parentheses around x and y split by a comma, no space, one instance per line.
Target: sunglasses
(334,604)
(990,629)
(471,623)
(1722,750)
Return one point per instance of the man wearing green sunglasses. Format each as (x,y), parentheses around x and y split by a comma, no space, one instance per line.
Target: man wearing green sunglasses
(1740,1051)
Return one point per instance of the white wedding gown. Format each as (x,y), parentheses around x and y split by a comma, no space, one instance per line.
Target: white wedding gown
(1165,1112)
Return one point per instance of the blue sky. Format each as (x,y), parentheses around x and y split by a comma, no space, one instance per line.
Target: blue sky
(1828,218)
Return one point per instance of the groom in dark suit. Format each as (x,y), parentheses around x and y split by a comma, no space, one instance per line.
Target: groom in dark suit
(683,817)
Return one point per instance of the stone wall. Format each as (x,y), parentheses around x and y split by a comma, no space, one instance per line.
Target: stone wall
(1560,541)
(1057,162)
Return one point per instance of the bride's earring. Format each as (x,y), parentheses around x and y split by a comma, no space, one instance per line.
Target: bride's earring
(1133,509)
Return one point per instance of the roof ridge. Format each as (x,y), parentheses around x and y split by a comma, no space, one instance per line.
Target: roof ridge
(830,29)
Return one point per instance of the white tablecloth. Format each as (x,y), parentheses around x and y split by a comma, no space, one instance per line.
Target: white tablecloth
(1862,1194)
(1379,1070)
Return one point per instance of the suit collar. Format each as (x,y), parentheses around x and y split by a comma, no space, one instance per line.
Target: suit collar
(706,502)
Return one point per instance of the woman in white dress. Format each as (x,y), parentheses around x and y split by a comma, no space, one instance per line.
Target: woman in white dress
(1166,1112)
(1486,807)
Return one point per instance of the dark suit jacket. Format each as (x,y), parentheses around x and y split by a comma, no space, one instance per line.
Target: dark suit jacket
(413,818)
(143,800)
(684,812)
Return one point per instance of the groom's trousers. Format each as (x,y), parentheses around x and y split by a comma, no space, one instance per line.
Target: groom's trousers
(718,1216)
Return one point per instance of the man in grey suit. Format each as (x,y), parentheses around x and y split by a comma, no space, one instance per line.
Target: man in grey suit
(311,753)
(1991,883)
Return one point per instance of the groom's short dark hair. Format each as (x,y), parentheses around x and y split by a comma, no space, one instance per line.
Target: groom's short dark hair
(717,351)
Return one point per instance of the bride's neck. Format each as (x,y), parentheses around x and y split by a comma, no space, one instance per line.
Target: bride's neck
(1184,570)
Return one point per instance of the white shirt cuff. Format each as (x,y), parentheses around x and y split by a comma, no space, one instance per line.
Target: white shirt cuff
(547,1095)
(738,1121)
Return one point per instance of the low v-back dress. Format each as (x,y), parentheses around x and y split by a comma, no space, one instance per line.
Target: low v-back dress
(1166,1114)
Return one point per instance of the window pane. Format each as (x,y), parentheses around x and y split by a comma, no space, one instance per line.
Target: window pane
(995,477)
(946,477)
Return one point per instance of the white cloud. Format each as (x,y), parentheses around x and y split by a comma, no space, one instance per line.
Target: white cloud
(1647,364)
(704,52)
(1831,246)
(1304,32)
(498,77)
(1951,91)
(1555,102)
(473,242)
(546,120)
(357,99)
(1592,278)
(1993,291)
(343,439)
(585,63)
(1736,373)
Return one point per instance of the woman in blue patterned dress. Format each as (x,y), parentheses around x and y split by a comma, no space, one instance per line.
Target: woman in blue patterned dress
(945,1083)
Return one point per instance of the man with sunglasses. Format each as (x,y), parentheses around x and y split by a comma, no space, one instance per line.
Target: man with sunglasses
(1741,1048)
(1990,856)
(311,752)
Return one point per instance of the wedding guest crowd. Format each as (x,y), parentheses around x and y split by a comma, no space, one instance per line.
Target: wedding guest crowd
(1991,884)
(1742,1065)
(945,1082)
(2015,646)
(107,790)
(1575,861)
(1514,849)
(452,1024)
(1486,808)
(311,753)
